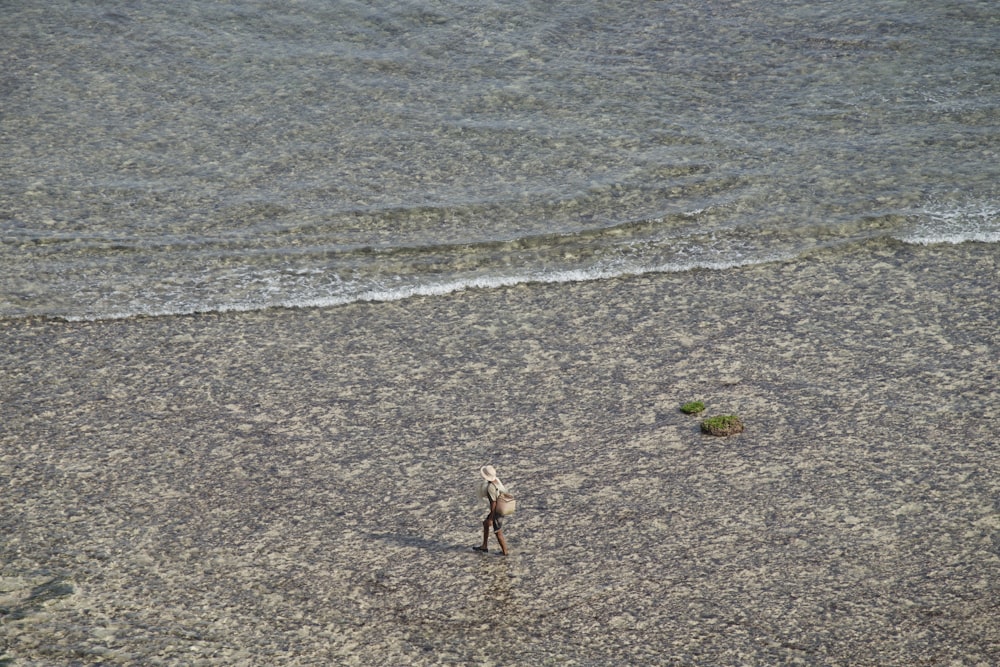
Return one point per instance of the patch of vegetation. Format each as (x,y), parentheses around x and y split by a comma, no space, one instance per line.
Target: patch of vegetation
(722,425)
(693,408)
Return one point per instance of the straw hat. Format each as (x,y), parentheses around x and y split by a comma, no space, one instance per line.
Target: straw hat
(488,473)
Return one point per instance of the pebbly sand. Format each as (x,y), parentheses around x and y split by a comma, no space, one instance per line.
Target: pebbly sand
(298,487)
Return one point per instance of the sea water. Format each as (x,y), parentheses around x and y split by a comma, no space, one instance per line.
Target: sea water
(193,156)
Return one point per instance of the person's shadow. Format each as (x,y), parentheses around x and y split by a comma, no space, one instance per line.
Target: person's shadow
(417,542)
(502,597)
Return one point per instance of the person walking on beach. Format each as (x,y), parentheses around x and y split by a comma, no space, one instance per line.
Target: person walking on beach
(491,490)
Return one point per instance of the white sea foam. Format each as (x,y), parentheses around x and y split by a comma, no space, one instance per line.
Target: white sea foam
(955,223)
(341,293)
(443,288)
(964,237)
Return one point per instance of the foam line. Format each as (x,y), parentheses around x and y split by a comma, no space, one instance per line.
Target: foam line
(428,289)
(444,288)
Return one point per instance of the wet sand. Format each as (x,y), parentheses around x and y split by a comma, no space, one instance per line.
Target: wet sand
(297,487)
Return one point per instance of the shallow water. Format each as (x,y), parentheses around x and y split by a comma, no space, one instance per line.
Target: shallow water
(207,157)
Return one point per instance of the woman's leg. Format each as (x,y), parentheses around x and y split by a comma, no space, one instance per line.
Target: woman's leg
(503,544)
(486,533)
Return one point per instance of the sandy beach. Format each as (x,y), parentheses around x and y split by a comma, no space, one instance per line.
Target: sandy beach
(298,487)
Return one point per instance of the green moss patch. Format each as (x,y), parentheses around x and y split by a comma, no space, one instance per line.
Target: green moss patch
(722,425)
(693,408)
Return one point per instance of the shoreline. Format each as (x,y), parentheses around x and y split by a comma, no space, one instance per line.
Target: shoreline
(297,487)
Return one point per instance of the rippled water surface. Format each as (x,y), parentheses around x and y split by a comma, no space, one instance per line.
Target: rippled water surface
(199,156)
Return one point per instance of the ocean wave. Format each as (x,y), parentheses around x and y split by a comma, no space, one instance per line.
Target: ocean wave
(662,245)
(399,292)
(500,281)
(954,239)
(961,237)
(953,223)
